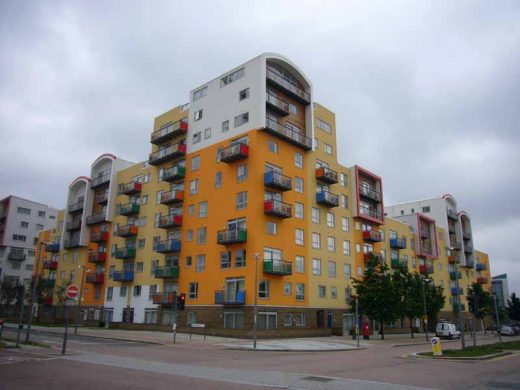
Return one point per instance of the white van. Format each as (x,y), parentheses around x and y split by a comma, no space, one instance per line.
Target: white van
(447,329)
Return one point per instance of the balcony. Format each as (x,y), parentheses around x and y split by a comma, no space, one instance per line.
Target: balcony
(482,280)
(451,228)
(280,82)
(123,276)
(456,291)
(452,259)
(398,243)
(165,298)
(169,221)
(3,214)
(452,215)
(426,269)
(169,131)
(397,263)
(455,245)
(466,235)
(425,233)
(277,104)
(53,248)
(74,224)
(131,188)
(236,298)
(50,264)
(481,267)
(371,213)
(97,257)
(373,236)
(172,152)
(277,267)
(129,209)
(95,278)
(99,236)
(175,173)
(277,208)
(454,275)
(125,253)
(327,199)
(16,255)
(101,198)
(468,248)
(168,246)
(277,181)
(326,175)
(100,180)
(127,231)
(234,236)
(75,207)
(369,193)
(96,218)
(172,197)
(373,257)
(234,152)
(166,272)
(468,264)
(288,134)
(48,300)
(74,243)
(48,283)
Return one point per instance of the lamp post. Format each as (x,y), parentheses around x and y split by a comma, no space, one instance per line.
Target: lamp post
(497,318)
(33,294)
(80,291)
(255,308)
(425,319)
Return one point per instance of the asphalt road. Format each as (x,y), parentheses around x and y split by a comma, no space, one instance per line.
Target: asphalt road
(92,362)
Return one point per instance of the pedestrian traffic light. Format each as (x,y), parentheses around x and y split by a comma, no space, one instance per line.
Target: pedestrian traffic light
(181,300)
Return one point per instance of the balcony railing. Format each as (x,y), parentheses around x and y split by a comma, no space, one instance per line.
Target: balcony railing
(125,253)
(97,218)
(288,134)
(326,175)
(425,233)
(74,243)
(279,81)
(100,180)
(455,245)
(277,267)
(131,188)
(233,236)
(235,152)
(455,275)
(74,224)
(456,307)
(369,193)
(168,246)
(75,207)
(127,231)
(177,172)
(101,198)
(16,255)
(277,208)
(235,298)
(452,259)
(169,153)
(129,209)
(169,131)
(373,236)
(123,276)
(172,197)
(468,248)
(97,257)
(168,272)
(398,263)
(452,215)
(53,248)
(169,221)
(99,236)
(426,269)
(456,291)
(466,235)
(451,228)
(327,199)
(481,267)
(277,181)
(373,257)
(50,264)
(277,104)
(95,278)
(371,213)
(398,243)
(47,282)
(165,298)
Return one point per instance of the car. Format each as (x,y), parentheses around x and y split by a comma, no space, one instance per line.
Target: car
(516,327)
(507,330)
(447,329)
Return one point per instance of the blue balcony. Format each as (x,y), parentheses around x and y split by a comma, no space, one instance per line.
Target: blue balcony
(53,248)
(237,298)
(168,246)
(456,291)
(327,198)
(481,267)
(123,276)
(398,243)
(277,181)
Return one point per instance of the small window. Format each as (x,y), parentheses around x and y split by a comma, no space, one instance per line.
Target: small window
(272,146)
(241,119)
(426,209)
(207,133)
(197,115)
(194,186)
(196,137)
(200,266)
(225,260)
(233,76)
(225,126)
(218,179)
(271,228)
(244,94)
(201,236)
(328,149)
(263,289)
(298,210)
(242,173)
(322,291)
(188,261)
(203,209)
(240,258)
(298,184)
(300,264)
(137,291)
(298,160)
(316,266)
(195,163)
(194,290)
(241,200)
(200,93)
(299,240)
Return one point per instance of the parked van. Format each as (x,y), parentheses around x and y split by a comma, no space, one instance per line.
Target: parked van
(447,329)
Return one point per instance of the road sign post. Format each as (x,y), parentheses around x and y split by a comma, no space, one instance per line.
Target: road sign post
(71,293)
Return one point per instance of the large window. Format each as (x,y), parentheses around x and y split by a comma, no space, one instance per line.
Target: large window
(332,269)
(194,290)
(234,320)
(316,266)
(300,291)
(263,289)
(233,76)
(266,320)
(150,316)
(316,240)
(241,119)
(300,264)
(201,263)
(294,320)
(241,200)
(298,239)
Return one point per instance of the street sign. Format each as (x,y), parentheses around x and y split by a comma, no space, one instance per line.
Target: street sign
(72,291)
(436,346)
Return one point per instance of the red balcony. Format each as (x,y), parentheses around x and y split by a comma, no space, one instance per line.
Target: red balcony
(50,264)
(97,257)
(234,152)
(371,256)
(99,236)
(169,131)
(164,298)
(481,280)
(422,268)
(131,188)
(95,278)
(373,236)
(172,197)
(127,231)
(277,208)
(168,221)
(452,259)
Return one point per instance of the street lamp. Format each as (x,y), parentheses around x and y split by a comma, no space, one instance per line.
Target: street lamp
(459,305)
(255,308)
(33,294)
(425,317)
(80,292)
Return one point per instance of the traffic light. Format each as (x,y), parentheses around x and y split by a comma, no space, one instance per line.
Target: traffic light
(181,300)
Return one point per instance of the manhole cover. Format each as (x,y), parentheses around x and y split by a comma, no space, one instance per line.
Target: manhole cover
(318,379)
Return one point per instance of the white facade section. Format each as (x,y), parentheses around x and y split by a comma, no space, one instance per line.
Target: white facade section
(138,303)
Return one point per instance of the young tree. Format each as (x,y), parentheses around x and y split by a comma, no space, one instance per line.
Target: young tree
(434,303)
(513,307)
(480,302)
(61,290)
(377,294)
(8,291)
(410,289)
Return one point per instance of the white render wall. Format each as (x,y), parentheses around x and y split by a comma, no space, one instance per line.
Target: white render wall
(139,304)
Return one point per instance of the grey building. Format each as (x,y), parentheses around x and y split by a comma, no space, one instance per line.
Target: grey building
(500,289)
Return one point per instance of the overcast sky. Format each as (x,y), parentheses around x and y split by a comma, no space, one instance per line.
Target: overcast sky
(426,94)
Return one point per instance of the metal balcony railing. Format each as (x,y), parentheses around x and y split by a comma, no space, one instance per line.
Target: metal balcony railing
(169,131)
(277,181)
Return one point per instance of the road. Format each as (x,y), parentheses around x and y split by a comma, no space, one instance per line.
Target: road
(92,362)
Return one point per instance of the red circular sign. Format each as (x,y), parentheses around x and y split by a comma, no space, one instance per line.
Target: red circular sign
(72,291)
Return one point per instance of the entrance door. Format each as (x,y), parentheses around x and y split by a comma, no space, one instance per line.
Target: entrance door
(320,318)
(329,319)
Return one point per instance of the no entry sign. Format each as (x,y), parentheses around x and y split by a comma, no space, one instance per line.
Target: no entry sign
(72,291)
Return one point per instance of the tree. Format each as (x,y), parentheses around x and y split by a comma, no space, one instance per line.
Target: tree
(61,290)
(377,294)
(434,303)
(410,289)
(513,307)
(8,291)
(480,302)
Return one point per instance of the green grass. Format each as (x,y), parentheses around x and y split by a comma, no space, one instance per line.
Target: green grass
(481,350)
(510,345)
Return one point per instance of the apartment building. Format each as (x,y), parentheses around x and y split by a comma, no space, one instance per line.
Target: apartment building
(21,220)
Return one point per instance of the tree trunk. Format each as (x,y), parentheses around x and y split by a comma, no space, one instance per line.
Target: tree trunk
(482,325)
(411,326)
(382,330)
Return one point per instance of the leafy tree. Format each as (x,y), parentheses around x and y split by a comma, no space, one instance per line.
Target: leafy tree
(61,290)
(377,295)
(480,302)
(513,307)
(435,301)
(8,291)
(410,289)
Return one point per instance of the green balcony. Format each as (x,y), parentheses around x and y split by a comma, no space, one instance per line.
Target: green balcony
(124,253)
(168,272)
(129,209)
(277,267)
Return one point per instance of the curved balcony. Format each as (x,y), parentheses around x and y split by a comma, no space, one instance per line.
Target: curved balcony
(172,197)
(276,104)
(326,175)
(277,208)
(168,272)
(101,180)
(127,231)
(75,207)
(168,246)
(452,215)
(169,131)
(279,81)
(234,152)
(277,181)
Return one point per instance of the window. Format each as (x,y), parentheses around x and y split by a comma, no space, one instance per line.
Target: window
(207,133)
(241,200)
(331,244)
(298,184)
(234,320)
(200,93)
(298,210)
(201,263)
(294,320)
(154,265)
(194,186)
(24,224)
(110,293)
(146,178)
(242,172)
(241,119)
(267,320)
(293,109)
(271,228)
(272,146)
(298,160)
(300,291)
(188,261)
(344,201)
(191,210)
(122,291)
(203,209)
(240,258)
(346,248)
(196,138)
(334,292)
(41,214)
(316,240)
(343,179)
(322,291)
(137,291)
(218,179)
(243,94)
(331,220)
(195,163)
(201,235)
(328,149)
(139,266)
(320,124)
(345,225)
(332,269)
(189,235)
(287,289)
(19,237)
(225,259)
(225,126)
(144,199)
(346,271)
(263,289)
(300,264)
(142,221)
(316,266)
(298,239)
(193,290)
(150,316)
(97,292)
(62,275)
(228,79)
(23,210)
(315,215)
(426,209)
(197,115)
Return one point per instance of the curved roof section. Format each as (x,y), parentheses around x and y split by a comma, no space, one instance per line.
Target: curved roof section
(465,215)
(292,67)
(450,198)
(106,156)
(81,179)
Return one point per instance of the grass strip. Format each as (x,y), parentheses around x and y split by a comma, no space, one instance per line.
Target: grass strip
(481,350)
